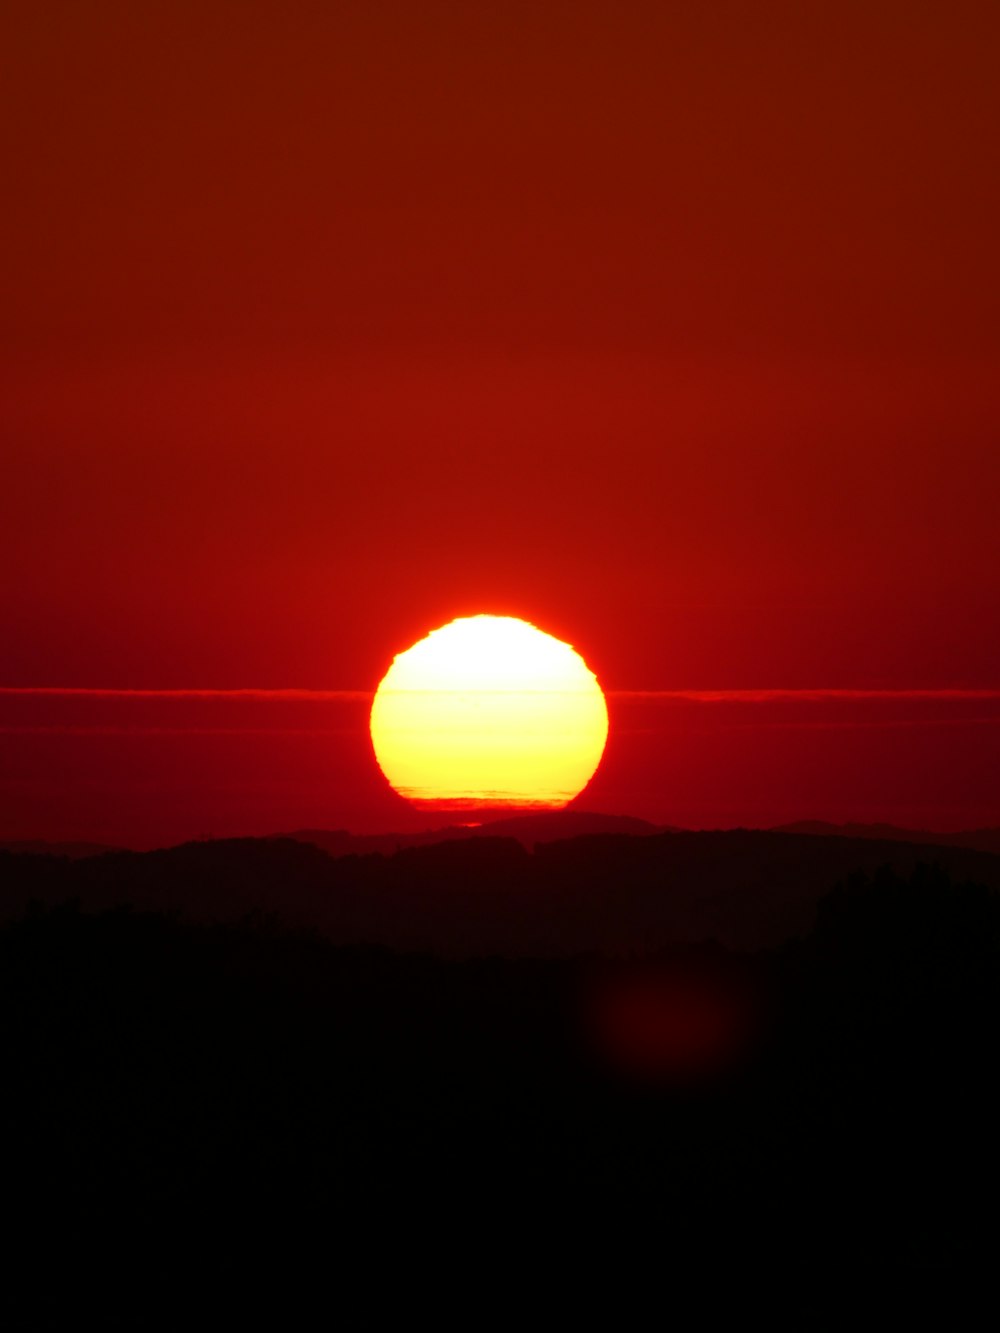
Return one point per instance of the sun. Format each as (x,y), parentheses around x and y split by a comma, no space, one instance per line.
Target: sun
(489,711)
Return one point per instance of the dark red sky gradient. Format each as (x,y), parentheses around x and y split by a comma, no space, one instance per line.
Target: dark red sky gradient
(673,329)
(150,768)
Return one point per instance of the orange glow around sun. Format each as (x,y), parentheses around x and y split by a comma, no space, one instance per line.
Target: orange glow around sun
(489,711)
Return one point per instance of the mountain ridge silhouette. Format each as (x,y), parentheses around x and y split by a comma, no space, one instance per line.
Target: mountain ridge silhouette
(978,839)
(482,895)
(537,827)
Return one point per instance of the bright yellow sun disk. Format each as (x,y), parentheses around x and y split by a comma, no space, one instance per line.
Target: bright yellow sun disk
(489,710)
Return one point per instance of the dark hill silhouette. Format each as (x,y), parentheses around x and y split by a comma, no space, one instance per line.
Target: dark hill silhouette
(980,840)
(487,895)
(529,830)
(160,1068)
(541,827)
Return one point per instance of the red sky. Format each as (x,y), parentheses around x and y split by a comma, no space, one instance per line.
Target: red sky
(670,328)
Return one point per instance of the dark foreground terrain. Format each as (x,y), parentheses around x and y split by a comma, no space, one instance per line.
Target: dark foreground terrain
(488,894)
(831,1093)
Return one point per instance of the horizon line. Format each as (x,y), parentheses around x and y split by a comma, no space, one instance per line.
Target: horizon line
(766,694)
